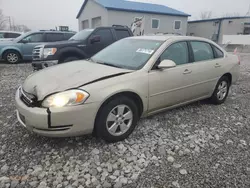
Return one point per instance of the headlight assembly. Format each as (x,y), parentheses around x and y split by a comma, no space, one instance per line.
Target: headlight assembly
(48,51)
(66,98)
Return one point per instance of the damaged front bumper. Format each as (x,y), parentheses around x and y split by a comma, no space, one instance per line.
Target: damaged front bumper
(57,122)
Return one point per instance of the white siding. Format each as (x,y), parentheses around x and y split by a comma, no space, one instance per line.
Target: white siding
(96,22)
(93,10)
(166,22)
(206,29)
(85,24)
(203,29)
(232,27)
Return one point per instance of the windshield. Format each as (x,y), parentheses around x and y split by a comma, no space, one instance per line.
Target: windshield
(21,37)
(128,53)
(82,35)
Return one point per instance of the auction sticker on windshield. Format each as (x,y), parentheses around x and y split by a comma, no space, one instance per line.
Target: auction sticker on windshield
(145,51)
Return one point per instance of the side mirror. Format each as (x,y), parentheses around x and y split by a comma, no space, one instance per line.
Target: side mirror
(95,38)
(166,63)
(24,41)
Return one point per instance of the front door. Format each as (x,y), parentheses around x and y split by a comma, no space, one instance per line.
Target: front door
(28,44)
(168,87)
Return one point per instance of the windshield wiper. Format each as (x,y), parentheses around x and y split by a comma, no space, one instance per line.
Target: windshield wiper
(111,65)
(91,60)
(103,63)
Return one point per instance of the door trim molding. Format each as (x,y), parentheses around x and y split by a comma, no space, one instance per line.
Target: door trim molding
(176,105)
(168,91)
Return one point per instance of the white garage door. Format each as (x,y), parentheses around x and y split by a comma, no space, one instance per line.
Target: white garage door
(85,24)
(96,22)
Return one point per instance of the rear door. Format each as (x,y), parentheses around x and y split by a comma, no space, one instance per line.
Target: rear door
(12,35)
(29,42)
(106,38)
(206,67)
(54,37)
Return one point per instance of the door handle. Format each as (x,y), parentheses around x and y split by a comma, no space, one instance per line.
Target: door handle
(217,65)
(186,71)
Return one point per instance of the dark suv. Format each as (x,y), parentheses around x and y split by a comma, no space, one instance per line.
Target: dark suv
(83,45)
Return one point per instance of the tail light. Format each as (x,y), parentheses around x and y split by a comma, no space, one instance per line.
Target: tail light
(236,53)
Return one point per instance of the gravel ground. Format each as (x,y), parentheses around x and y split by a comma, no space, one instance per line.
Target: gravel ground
(199,145)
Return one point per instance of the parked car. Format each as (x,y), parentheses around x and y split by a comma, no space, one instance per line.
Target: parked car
(21,48)
(83,45)
(132,78)
(8,35)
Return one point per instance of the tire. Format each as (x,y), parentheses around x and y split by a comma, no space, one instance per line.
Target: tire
(68,59)
(12,57)
(221,91)
(105,117)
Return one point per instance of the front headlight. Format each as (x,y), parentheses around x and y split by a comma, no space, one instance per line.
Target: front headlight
(66,98)
(49,51)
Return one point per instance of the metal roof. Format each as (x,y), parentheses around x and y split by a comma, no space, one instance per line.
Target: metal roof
(132,6)
(218,19)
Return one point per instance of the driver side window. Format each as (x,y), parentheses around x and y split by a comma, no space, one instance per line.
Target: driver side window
(38,37)
(177,52)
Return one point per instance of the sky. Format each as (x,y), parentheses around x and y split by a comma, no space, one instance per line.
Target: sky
(47,14)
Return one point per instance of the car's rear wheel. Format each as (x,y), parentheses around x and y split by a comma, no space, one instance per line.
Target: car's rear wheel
(12,57)
(117,119)
(221,91)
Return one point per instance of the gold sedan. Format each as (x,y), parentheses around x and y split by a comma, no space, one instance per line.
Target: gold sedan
(134,77)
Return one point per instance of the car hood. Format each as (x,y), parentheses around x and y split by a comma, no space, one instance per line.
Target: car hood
(67,76)
(62,43)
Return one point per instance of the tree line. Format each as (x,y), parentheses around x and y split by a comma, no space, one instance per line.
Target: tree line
(6,23)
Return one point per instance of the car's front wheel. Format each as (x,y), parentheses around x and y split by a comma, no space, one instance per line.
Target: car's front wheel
(12,57)
(221,91)
(117,119)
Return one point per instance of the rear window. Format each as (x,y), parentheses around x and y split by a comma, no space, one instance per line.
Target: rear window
(12,35)
(67,36)
(122,34)
(202,51)
(218,53)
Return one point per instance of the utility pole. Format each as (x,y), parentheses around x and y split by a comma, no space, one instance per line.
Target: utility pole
(248,12)
(10,22)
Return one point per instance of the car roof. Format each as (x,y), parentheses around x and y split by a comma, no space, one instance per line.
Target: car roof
(167,37)
(53,31)
(1,31)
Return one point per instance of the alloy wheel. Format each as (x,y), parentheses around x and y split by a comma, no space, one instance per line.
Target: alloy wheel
(222,90)
(12,58)
(119,120)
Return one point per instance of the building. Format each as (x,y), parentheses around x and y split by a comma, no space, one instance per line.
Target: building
(216,28)
(149,18)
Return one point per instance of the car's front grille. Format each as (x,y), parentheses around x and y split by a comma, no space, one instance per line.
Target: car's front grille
(28,99)
(37,52)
